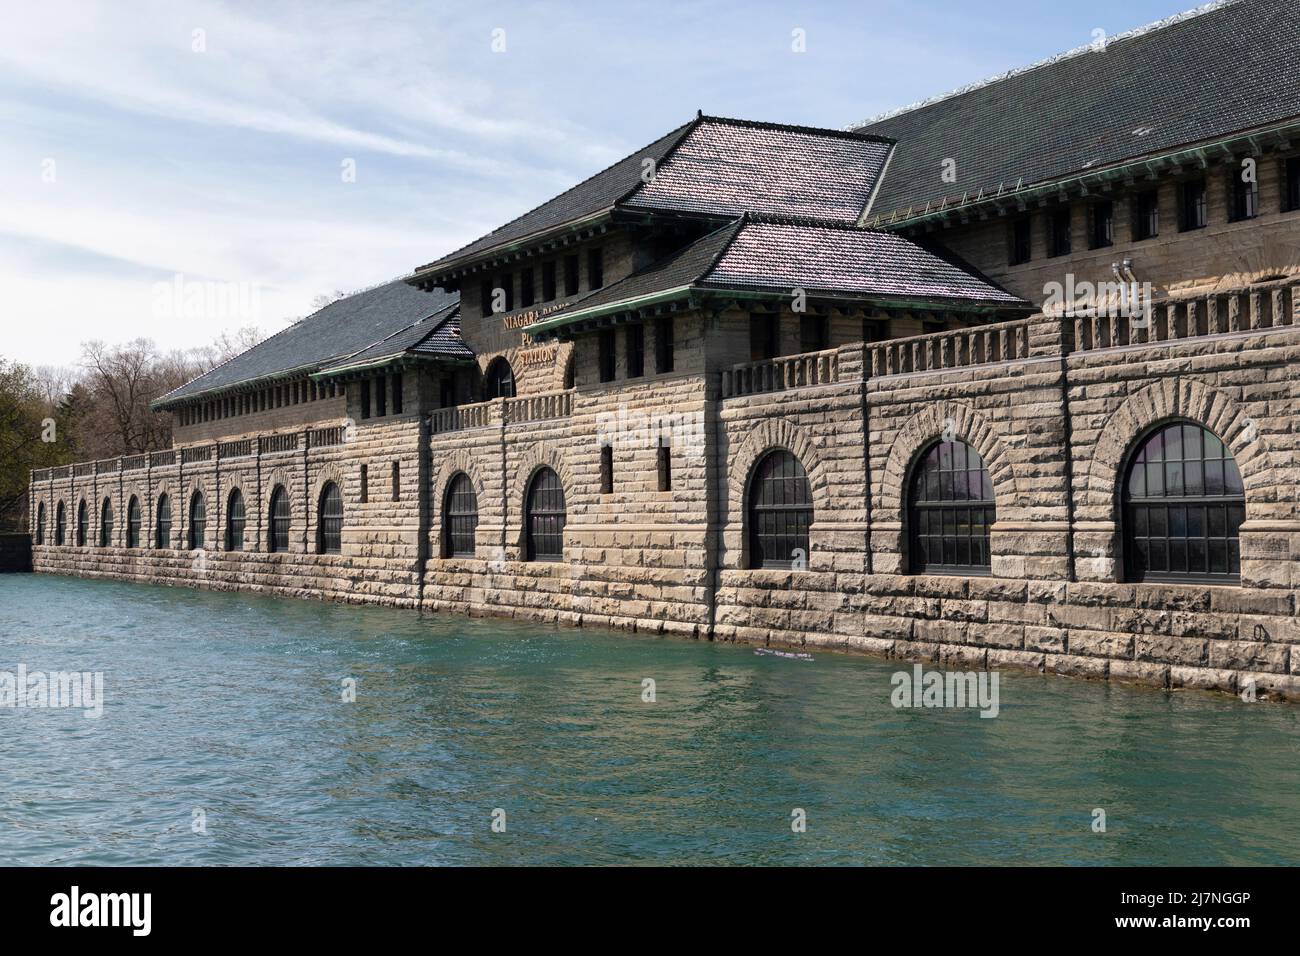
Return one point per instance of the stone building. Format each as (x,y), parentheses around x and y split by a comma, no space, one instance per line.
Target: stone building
(1003,379)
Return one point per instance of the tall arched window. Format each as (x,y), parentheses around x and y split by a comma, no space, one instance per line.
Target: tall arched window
(459,518)
(106,524)
(500,380)
(235,521)
(60,524)
(544,517)
(163,531)
(81,524)
(950,510)
(1184,504)
(133,522)
(40,523)
(329,520)
(278,540)
(778,512)
(198,521)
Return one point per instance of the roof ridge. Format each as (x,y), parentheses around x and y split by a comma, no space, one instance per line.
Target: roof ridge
(1169,21)
(663,160)
(528,212)
(844,133)
(405,328)
(777,219)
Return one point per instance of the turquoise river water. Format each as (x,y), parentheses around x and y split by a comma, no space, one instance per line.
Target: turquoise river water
(224,713)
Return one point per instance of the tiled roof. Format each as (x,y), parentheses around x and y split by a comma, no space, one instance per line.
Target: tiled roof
(340,329)
(437,336)
(727,167)
(721,168)
(827,260)
(1198,77)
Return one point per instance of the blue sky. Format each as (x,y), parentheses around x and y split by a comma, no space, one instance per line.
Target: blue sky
(138,152)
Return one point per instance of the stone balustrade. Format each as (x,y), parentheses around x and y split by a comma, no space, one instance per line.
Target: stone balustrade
(780,374)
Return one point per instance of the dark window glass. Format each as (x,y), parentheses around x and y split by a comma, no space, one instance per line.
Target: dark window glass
(606,469)
(764,341)
(365,484)
(779,512)
(60,525)
(1061,222)
(950,510)
(500,381)
(1020,241)
(106,524)
(278,539)
(606,346)
(1292,176)
(485,297)
(198,521)
(365,397)
(1243,197)
(1192,206)
(460,518)
(665,465)
(1103,224)
(814,333)
(81,525)
(1184,504)
(163,530)
(397,393)
(397,481)
(548,281)
(40,523)
(544,518)
(506,283)
(664,344)
(329,523)
(595,268)
(235,521)
(875,330)
(133,522)
(527,294)
(570,275)
(634,340)
(381,396)
(1146,215)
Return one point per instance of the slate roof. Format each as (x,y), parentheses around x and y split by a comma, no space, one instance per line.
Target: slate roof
(1198,77)
(716,167)
(437,336)
(342,328)
(830,260)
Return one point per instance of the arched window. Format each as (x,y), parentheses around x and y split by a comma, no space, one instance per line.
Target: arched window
(950,510)
(500,380)
(278,540)
(459,518)
(106,524)
(329,520)
(60,524)
(40,523)
(163,534)
(1184,504)
(198,521)
(544,518)
(568,371)
(779,512)
(133,522)
(235,521)
(81,524)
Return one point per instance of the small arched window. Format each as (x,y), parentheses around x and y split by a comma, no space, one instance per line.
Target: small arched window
(81,524)
(106,524)
(60,525)
(235,521)
(459,518)
(500,380)
(329,523)
(40,523)
(779,512)
(278,540)
(1184,504)
(133,522)
(950,510)
(544,517)
(198,521)
(163,530)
